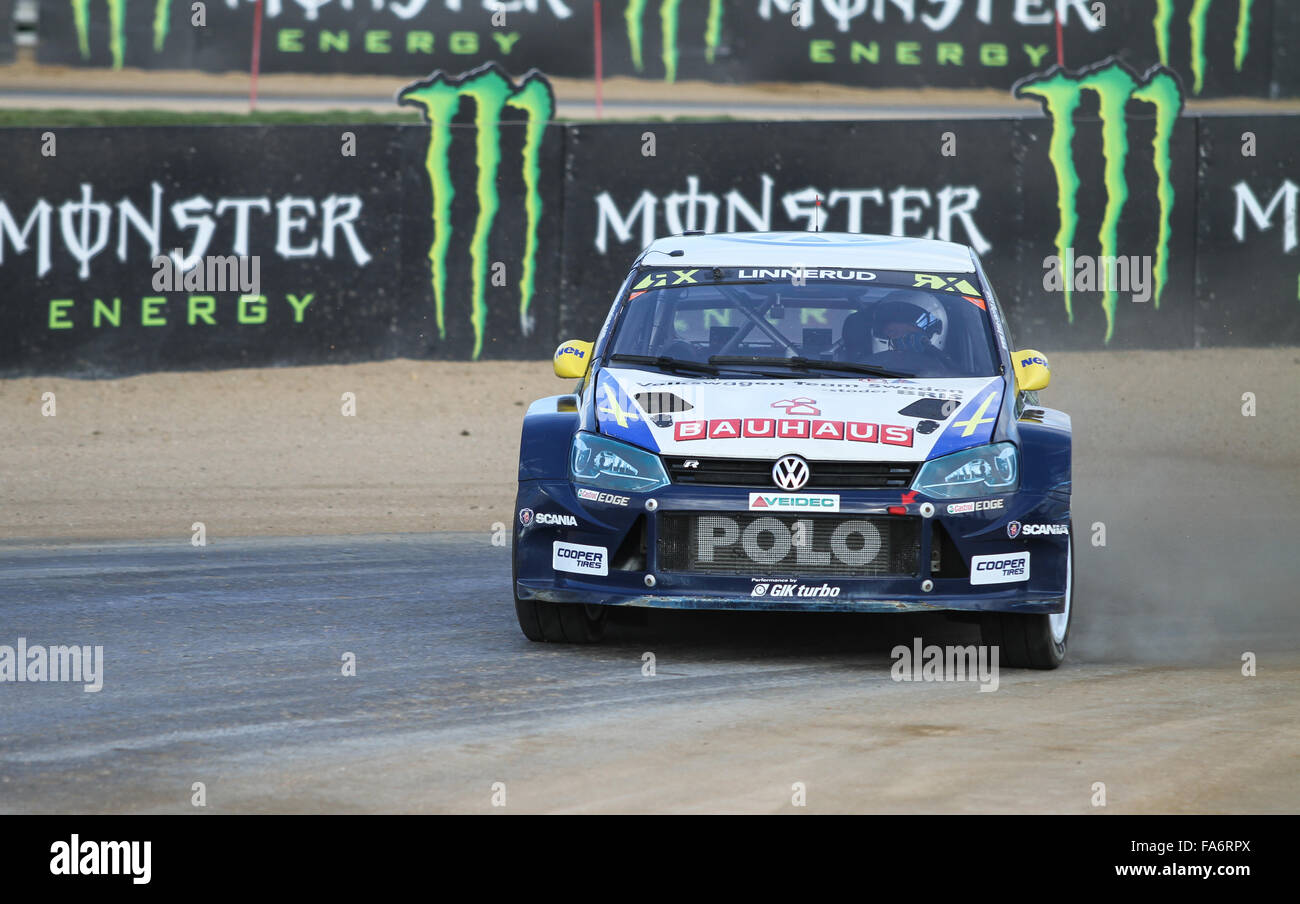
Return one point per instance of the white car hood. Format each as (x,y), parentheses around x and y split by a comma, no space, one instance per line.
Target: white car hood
(820,419)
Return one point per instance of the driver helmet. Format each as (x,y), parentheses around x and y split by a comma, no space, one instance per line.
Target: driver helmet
(919,309)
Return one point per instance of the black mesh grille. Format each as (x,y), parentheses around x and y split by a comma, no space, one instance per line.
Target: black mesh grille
(757,473)
(789,545)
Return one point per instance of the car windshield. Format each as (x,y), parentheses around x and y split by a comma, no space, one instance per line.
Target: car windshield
(870,329)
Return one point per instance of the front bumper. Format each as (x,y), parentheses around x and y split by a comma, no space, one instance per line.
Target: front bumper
(630,535)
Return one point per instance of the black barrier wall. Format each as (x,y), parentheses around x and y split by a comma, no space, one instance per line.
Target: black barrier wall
(495,235)
(7,26)
(80,231)
(1218,47)
(1247,263)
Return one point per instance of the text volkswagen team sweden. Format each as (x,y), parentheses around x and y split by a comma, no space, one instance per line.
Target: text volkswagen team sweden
(800,421)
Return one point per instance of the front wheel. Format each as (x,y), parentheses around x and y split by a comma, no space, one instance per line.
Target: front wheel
(555,622)
(1033,641)
(560,622)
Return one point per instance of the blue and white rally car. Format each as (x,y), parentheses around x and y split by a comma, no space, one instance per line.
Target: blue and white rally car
(799,421)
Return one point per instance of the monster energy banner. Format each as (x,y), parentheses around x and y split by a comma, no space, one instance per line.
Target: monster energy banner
(387,37)
(285,262)
(487,217)
(136,249)
(485,232)
(1217,47)
(1120,165)
(879,177)
(1248,247)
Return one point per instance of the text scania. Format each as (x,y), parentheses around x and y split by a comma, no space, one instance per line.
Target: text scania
(88,227)
(556,520)
(810,209)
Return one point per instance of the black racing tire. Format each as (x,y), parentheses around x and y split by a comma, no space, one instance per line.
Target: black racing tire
(1032,641)
(544,622)
(560,622)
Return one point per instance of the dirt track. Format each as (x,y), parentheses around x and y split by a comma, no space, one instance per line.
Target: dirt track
(223,662)
(434,444)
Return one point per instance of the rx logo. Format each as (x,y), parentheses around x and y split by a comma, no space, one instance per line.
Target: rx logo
(660,279)
(800,405)
(945,284)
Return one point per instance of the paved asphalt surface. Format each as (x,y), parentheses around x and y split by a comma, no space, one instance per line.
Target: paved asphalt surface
(222,665)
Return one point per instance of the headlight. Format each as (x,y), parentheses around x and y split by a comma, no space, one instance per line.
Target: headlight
(976,472)
(599,461)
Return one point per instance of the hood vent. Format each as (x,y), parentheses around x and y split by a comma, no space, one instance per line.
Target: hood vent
(930,409)
(662,403)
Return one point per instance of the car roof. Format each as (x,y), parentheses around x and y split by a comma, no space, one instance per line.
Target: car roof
(809,249)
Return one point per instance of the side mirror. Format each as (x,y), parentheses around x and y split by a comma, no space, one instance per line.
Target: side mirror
(573,358)
(1032,370)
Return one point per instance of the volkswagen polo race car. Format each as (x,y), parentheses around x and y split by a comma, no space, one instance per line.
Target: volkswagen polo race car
(799,421)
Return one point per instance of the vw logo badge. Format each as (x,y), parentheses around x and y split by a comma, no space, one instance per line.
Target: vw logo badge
(790,472)
(1013,529)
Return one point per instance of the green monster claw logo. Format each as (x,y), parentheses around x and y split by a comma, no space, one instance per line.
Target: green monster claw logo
(438,98)
(117,27)
(668,9)
(1196,22)
(1115,85)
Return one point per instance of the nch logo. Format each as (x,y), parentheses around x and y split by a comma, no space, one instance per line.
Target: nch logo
(438,97)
